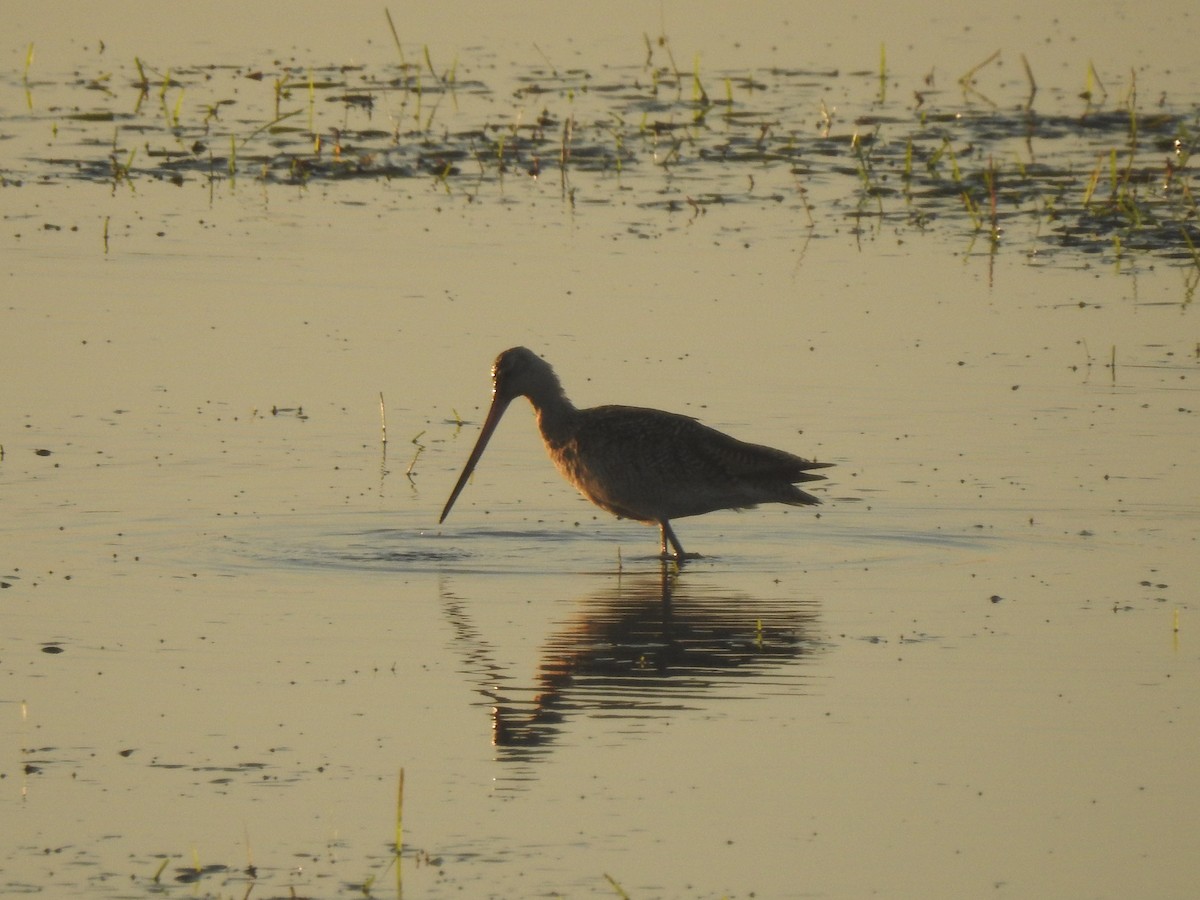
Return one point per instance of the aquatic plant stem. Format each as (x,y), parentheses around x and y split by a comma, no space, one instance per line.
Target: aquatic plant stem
(1187,239)
(395,37)
(416,441)
(1032,83)
(158,872)
(967,81)
(400,815)
(616,887)
(882,74)
(25,76)
(989,176)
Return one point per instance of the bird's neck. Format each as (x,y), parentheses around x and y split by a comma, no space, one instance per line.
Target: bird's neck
(555,414)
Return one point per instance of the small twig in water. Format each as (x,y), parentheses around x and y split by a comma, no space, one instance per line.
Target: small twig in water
(408,473)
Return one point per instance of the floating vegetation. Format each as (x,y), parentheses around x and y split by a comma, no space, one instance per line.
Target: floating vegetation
(1091,174)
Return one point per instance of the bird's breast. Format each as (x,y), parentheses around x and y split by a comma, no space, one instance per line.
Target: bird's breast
(610,456)
(592,477)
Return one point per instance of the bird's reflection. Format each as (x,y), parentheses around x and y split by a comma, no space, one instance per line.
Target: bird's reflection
(650,645)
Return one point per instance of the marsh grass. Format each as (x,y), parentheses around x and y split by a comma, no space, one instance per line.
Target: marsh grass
(620,891)
(968,81)
(410,473)
(400,805)
(395,37)
(882,96)
(157,877)
(1114,178)
(25,77)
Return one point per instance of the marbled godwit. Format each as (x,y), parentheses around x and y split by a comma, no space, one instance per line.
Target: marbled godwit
(642,464)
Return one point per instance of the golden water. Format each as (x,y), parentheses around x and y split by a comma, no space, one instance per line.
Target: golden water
(978,669)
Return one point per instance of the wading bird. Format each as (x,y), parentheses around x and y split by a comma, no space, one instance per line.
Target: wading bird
(642,464)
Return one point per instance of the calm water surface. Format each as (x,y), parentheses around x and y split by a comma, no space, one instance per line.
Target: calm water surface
(230,619)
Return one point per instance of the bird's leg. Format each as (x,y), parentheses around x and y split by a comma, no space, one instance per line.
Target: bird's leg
(668,534)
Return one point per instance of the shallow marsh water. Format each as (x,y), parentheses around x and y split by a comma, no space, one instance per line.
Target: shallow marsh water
(229,616)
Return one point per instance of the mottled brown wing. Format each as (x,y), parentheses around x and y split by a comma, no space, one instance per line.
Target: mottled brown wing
(653,465)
